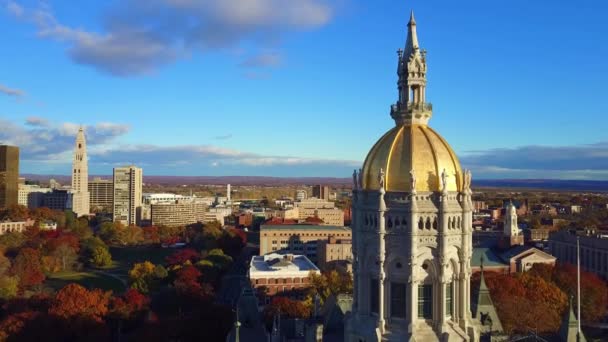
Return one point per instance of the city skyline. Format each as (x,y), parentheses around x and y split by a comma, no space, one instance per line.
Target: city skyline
(284,104)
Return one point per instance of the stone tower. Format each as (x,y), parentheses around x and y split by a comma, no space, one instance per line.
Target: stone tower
(511,234)
(80,176)
(412,225)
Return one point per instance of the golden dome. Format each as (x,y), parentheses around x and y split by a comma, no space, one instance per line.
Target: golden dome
(412,147)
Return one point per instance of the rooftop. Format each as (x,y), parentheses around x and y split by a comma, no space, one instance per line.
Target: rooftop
(303,227)
(274,263)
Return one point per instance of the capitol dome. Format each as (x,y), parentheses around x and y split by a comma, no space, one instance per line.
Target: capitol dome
(412,147)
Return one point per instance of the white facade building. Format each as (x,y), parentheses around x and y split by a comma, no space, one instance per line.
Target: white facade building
(80,177)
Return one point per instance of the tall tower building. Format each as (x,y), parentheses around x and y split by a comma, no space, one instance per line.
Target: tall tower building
(412,225)
(511,234)
(127,194)
(9,175)
(80,176)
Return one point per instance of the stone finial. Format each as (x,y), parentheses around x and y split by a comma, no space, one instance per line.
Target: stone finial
(360,178)
(355,181)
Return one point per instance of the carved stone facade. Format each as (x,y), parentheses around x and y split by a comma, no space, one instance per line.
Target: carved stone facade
(412,231)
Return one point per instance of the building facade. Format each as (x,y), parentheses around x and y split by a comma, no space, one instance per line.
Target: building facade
(15,226)
(280,273)
(58,200)
(101,194)
(333,250)
(330,216)
(412,225)
(31,196)
(321,192)
(80,176)
(9,175)
(127,194)
(593,250)
(178,213)
(298,238)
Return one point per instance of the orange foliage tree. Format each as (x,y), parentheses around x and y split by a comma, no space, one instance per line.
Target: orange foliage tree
(27,267)
(543,301)
(287,307)
(75,301)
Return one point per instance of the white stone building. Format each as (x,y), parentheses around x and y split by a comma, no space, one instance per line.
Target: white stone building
(412,226)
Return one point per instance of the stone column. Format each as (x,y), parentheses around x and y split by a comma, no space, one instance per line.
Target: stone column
(381,258)
(412,286)
(441,322)
(355,235)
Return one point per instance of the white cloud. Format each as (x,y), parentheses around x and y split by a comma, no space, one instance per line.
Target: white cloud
(11,91)
(139,36)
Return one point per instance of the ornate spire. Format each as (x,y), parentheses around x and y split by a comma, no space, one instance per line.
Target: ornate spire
(411,43)
(411,108)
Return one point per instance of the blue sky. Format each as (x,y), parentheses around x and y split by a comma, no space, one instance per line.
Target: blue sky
(301,88)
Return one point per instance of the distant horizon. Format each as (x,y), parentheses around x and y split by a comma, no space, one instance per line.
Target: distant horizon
(302,88)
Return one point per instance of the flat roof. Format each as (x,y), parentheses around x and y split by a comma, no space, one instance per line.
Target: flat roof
(303,227)
(275,263)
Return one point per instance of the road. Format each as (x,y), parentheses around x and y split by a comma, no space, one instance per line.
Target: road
(236,278)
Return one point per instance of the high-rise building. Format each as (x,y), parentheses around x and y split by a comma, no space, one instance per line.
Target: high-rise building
(320,192)
(80,176)
(101,193)
(9,175)
(127,194)
(412,226)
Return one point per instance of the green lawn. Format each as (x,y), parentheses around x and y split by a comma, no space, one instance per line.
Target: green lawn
(87,279)
(125,257)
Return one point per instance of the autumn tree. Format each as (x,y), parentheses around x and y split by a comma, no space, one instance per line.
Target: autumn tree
(594,291)
(182,256)
(75,301)
(289,308)
(145,277)
(129,304)
(330,283)
(100,257)
(27,267)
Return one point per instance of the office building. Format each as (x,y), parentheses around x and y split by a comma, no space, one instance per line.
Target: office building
(9,175)
(593,250)
(127,194)
(332,251)
(31,195)
(301,195)
(178,213)
(58,200)
(101,194)
(320,192)
(298,238)
(80,176)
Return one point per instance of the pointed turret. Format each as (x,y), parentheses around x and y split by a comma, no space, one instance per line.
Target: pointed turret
(568,332)
(485,312)
(411,43)
(411,106)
